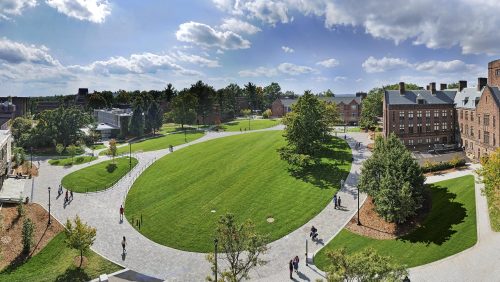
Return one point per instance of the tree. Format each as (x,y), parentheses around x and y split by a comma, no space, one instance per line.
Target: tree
(112,148)
(271,93)
(170,92)
(20,126)
(184,108)
(241,247)
(28,235)
(97,101)
(136,126)
(454,85)
(123,97)
(59,148)
(332,115)
(366,265)
(204,95)
(72,149)
(394,179)
(490,174)
(252,96)
(230,93)
(329,93)
(154,117)
(247,113)
(79,236)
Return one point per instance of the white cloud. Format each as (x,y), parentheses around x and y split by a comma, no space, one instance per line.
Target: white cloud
(328,63)
(372,65)
(16,53)
(14,7)
(219,51)
(321,78)
(197,60)
(238,26)
(284,68)
(472,25)
(287,49)
(88,10)
(340,78)
(206,36)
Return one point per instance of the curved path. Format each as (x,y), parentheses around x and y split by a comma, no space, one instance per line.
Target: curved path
(101,211)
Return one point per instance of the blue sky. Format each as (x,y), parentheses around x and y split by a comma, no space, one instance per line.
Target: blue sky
(50,47)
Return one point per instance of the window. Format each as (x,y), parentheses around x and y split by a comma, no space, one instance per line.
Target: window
(354,107)
(461,114)
(401,115)
(428,127)
(401,128)
(436,126)
(428,140)
(436,139)
(466,115)
(471,116)
(410,114)
(354,114)
(466,129)
(472,131)
(494,140)
(410,128)
(479,134)
(436,113)
(478,119)
(494,121)
(461,128)
(419,141)
(486,137)
(444,126)
(393,115)
(419,127)
(427,114)
(419,114)
(486,120)
(443,113)
(410,142)
(471,145)
(497,72)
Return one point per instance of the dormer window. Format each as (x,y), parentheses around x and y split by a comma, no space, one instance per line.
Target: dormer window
(477,101)
(466,99)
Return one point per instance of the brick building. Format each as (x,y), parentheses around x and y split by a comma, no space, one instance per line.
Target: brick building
(349,107)
(420,118)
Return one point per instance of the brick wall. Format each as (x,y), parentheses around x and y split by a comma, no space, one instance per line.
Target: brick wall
(494,73)
(277,108)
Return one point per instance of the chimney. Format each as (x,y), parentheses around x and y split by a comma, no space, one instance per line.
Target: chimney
(427,87)
(462,84)
(432,87)
(481,82)
(443,86)
(361,94)
(401,88)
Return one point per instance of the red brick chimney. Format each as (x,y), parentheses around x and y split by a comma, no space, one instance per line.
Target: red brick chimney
(432,88)
(401,88)
(443,86)
(481,82)
(462,84)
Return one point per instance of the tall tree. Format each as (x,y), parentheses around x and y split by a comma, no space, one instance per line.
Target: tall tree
(123,97)
(136,127)
(97,101)
(154,117)
(490,174)
(394,179)
(205,95)
(240,246)
(271,93)
(331,115)
(112,149)
(21,129)
(366,265)
(72,150)
(252,96)
(184,108)
(170,92)
(79,236)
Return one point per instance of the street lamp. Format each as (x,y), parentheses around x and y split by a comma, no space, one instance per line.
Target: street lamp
(31,158)
(216,241)
(359,222)
(49,207)
(129,158)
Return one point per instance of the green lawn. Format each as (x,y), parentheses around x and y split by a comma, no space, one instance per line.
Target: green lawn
(450,227)
(55,263)
(97,147)
(97,177)
(172,127)
(241,174)
(159,143)
(72,161)
(255,124)
(52,152)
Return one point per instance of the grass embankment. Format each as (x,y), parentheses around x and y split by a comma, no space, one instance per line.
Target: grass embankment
(242,124)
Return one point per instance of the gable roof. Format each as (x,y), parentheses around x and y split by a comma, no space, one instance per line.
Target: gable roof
(495,92)
(467,98)
(392,97)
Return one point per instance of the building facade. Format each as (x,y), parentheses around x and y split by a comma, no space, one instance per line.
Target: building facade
(420,118)
(5,154)
(349,107)
(113,122)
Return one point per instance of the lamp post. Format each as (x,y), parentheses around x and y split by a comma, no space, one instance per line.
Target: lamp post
(216,241)
(31,158)
(129,158)
(359,222)
(49,207)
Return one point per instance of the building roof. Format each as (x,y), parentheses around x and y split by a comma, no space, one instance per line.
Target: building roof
(467,98)
(105,126)
(392,97)
(495,91)
(346,99)
(287,102)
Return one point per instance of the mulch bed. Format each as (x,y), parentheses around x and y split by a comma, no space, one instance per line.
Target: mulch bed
(11,233)
(432,173)
(376,227)
(27,169)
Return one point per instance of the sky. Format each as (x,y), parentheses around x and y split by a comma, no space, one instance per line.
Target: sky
(54,47)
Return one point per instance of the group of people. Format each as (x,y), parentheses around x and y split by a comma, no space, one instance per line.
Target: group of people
(358,145)
(337,201)
(68,195)
(314,233)
(171,148)
(294,265)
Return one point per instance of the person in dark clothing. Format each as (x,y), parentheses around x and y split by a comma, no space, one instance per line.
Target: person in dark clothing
(338,201)
(314,233)
(124,244)
(121,212)
(296,264)
(290,266)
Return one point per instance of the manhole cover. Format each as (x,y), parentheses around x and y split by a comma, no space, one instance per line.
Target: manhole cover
(270,219)
(212,211)
(6,239)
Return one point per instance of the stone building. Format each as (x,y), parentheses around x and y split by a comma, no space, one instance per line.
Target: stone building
(5,154)
(420,118)
(112,123)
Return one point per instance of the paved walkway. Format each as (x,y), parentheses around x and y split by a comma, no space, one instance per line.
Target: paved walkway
(101,211)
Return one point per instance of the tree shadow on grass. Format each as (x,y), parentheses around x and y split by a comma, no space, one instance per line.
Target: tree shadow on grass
(111,168)
(444,214)
(73,274)
(326,173)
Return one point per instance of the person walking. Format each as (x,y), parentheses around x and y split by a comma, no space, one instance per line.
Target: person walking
(335,201)
(71,195)
(121,213)
(124,244)
(338,202)
(290,266)
(296,264)
(66,197)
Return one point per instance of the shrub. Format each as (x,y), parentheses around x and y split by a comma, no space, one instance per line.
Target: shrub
(28,234)
(430,166)
(20,210)
(267,113)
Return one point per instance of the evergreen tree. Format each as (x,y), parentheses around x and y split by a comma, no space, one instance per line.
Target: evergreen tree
(154,117)
(136,127)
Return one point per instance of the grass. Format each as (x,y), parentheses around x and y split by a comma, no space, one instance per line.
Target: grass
(450,227)
(159,143)
(242,174)
(97,177)
(55,263)
(52,152)
(255,124)
(173,127)
(97,147)
(72,161)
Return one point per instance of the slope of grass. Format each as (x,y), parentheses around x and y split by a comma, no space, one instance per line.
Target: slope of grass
(99,176)
(159,143)
(72,161)
(255,124)
(450,227)
(241,174)
(55,263)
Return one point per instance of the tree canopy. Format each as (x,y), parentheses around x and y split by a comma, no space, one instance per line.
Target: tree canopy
(394,179)
(79,236)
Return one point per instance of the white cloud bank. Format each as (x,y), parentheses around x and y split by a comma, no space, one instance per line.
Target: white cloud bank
(206,36)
